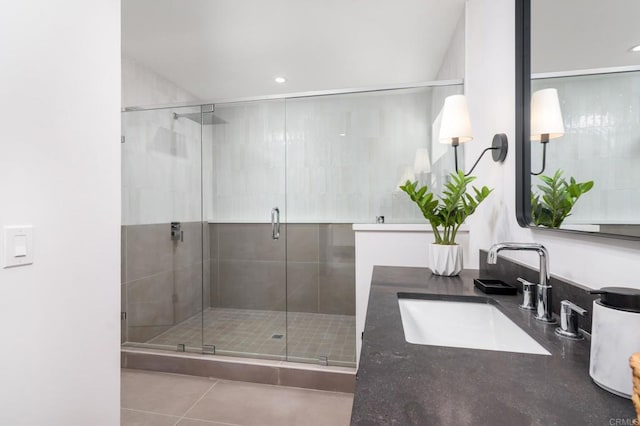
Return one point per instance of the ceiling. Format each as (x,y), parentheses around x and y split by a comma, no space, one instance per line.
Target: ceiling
(220,49)
(583,34)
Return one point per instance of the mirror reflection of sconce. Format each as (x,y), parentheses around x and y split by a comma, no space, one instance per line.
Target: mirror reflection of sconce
(546,120)
(456,129)
(422,164)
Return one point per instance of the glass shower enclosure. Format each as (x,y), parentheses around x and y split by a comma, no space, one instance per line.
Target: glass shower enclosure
(237,217)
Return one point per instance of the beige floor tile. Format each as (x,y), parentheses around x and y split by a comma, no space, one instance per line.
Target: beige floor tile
(192,422)
(161,393)
(252,404)
(139,418)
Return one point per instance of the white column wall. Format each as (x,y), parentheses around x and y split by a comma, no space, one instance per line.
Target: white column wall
(490,88)
(60,172)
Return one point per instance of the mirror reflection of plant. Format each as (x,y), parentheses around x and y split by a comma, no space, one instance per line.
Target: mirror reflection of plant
(552,206)
(451,209)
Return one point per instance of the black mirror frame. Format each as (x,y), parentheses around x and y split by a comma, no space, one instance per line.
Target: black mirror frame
(523,94)
(523,141)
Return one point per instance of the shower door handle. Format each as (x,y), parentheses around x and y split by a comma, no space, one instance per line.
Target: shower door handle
(275,223)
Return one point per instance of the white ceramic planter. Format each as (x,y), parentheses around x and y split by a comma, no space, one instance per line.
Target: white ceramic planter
(446,260)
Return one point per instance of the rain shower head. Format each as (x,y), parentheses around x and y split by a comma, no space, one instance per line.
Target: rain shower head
(206,118)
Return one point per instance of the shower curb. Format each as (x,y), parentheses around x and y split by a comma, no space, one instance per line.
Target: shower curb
(335,379)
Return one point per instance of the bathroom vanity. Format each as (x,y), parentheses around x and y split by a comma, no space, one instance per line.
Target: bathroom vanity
(412,384)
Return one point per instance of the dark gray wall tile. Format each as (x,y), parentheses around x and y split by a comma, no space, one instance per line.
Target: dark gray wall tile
(150,301)
(250,241)
(123,254)
(206,283)
(123,308)
(302,286)
(149,250)
(214,297)
(189,250)
(142,334)
(337,288)
(213,240)
(252,285)
(337,243)
(206,241)
(302,242)
(187,292)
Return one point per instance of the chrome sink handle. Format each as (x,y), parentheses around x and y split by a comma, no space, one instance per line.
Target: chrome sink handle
(528,295)
(569,320)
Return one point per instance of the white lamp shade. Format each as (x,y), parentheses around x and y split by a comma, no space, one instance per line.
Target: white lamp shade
(422,163)
(546,116)
(455,120)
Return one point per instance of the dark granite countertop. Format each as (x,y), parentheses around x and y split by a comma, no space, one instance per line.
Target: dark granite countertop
(399,383)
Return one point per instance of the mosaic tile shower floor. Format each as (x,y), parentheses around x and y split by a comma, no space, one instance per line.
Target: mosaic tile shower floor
(255,333)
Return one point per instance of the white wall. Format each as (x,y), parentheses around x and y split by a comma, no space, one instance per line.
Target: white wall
(144,87)
(60,171)
(490,88)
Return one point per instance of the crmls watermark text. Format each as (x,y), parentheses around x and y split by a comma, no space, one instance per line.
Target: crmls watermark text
(624,422)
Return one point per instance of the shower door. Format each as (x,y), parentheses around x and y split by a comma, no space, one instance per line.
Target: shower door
(244,205)
(162,229)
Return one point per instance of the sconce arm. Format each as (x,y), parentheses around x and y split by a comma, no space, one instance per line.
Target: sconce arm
(499,145)
(544,159)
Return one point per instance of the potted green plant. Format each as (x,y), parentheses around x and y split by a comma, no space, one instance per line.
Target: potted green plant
(556,199)
(445,214)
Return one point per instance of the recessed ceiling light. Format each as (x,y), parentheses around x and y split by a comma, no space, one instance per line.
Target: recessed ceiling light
(635,48)
(280,80)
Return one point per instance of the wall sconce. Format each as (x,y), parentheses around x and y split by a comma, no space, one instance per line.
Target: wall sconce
(456,129)
(546,120)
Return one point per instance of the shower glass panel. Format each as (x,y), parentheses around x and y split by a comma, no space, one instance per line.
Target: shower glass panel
(244,199)
(162,229)
(346,156)
(237,217)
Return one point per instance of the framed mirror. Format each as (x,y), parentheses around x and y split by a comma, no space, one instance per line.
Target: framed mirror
(578,116)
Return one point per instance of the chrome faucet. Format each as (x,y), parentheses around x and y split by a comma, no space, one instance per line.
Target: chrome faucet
(543,289)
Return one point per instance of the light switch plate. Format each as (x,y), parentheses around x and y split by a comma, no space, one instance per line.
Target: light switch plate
(18,246)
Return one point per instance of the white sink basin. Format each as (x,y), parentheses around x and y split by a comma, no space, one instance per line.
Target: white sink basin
(470,324)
